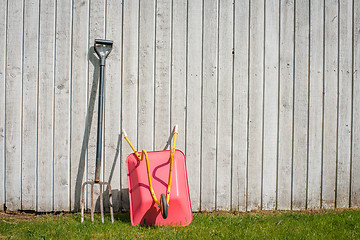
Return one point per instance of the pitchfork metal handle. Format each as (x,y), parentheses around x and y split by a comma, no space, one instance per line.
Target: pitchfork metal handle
(102,53)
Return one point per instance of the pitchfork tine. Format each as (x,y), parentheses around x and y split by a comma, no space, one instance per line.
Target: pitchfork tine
(82,202)
(92,202)
(110,203)
(101,203)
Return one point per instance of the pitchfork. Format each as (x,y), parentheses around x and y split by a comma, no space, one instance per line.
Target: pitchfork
(102,49)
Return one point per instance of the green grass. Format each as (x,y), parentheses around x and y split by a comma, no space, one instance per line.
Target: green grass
(221,225)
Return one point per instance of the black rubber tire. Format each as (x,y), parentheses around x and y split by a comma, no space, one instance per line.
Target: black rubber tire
(163,206)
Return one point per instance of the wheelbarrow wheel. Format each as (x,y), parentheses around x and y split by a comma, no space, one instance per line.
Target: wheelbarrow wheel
(163,206)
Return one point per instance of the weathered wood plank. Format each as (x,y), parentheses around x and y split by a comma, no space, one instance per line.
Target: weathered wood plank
(285,105)
(45,102)
(344,100)
(96,30)
(112,106)
(129,88)
(300,137)
(209,105)
(146,75)
(330,104)
(29,105)
(13,105)
(256,74)
(3,24)
(240,105)
(178,70)
(162,73)
(271,92)
(315,103)
(224,117)
(193,111)
(355,168)
(79,111)
(62,106)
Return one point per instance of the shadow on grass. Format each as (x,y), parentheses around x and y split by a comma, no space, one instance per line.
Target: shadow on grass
(122,217)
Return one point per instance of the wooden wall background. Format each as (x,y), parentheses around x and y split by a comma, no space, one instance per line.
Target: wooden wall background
(266,95)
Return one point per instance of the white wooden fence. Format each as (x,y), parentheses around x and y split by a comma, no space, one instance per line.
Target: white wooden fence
(266,95)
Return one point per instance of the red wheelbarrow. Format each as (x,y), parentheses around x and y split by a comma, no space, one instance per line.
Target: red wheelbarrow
(166,173)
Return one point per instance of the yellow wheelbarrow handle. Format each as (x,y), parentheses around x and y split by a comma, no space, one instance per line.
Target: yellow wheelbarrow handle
(144,153)
(172,153)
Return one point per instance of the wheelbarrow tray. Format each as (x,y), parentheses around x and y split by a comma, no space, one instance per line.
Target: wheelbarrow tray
(143,209)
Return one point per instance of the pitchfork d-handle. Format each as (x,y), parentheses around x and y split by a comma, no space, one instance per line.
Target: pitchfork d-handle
(102,54)
(105,43)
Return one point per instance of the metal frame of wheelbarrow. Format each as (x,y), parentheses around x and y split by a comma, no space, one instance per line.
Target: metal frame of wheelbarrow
(102,48)
(164,201)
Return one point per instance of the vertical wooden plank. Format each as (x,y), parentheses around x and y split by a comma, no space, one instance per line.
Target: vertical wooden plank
(45,106)
(256,60)
(355,170)
(330,104)
(146,75)
(209,105)
(240,104)
(129,87)
(224,115)
(79,111)
(300,137)
(13,104)
(271,87)
(344,111)
(315,103)
(285,105)
(162,73)
(96,30)
(178,70)
(3,24)
(112,102)
(29,105)
(62,105)
(193,101)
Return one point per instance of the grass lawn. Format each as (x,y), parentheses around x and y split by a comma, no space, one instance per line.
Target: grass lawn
(329,224)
